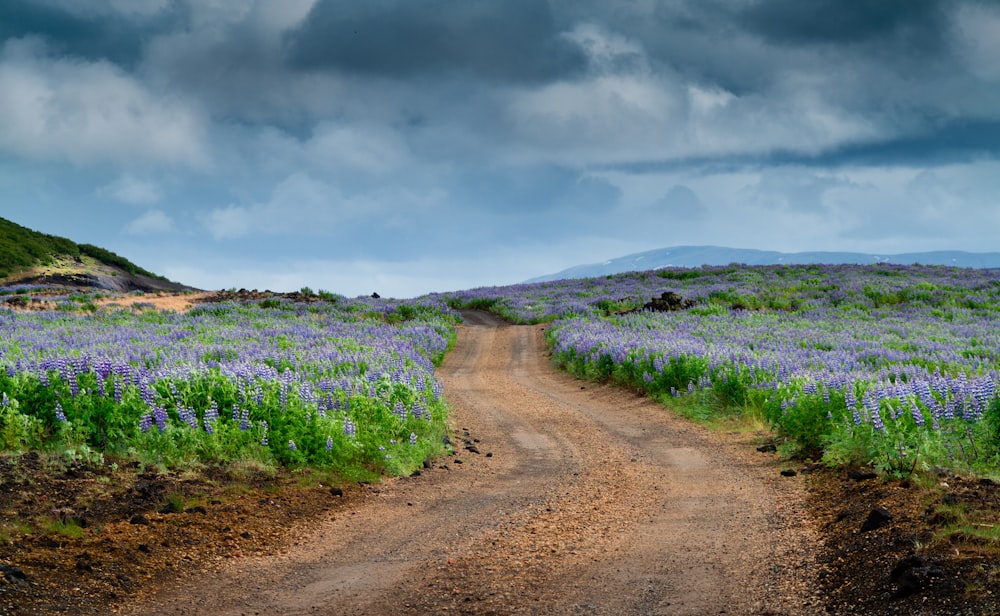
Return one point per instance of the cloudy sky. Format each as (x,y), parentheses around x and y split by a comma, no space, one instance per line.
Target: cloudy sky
(408,146)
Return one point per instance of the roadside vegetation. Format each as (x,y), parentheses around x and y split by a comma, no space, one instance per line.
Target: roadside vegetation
(886,366)
(347,386)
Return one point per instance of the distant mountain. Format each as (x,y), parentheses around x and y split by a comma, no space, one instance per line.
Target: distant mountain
(33,258)
(696,256)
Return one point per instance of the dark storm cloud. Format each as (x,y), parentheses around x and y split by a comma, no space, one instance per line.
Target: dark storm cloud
(95,37)
(954,142)
(837,22)
(514,40)
(536,190)
(681,203)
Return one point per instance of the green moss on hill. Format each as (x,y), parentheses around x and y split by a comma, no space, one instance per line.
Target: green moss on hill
(21,248)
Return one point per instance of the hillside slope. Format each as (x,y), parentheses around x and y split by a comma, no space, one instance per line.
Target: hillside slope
(696,256)
(33,258)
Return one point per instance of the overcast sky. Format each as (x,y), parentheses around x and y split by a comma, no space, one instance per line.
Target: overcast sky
(408,146)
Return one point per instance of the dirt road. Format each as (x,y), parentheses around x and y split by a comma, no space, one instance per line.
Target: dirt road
(581,499)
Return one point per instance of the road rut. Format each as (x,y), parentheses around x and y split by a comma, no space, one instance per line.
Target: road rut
(583,499)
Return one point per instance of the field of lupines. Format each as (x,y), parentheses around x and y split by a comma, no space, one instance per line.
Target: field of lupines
(348,385)
(885,365)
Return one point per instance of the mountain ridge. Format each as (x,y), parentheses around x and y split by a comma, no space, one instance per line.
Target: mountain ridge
(696,256)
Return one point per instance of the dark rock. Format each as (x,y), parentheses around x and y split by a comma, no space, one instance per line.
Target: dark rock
(416,473)
(149,488)
(171,508)
(472,449)
(788,473)
(142,547)
(196,509)
(668,301)
(857,475)
(139,519)
(912,575)
(336,492)
(84,565)
(986,481)
(445,440)
(427,463)
(376,296)
(246,535)
(457,461)
(878,518)
(12,574)
(768,448)
(950,499)
(489,454)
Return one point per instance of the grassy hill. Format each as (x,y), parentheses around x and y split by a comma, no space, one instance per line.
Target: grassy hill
(29,255)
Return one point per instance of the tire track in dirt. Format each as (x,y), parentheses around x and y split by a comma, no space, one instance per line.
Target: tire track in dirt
(595,501)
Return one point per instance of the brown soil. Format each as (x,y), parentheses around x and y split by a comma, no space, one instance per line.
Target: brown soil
(563,497)
(160,301)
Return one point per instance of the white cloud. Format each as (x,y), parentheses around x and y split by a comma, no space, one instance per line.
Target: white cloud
(90,112)
(299,204)
(370,149)
(624,111)
(978,27)
(305,206)
(132,190)
(153,222)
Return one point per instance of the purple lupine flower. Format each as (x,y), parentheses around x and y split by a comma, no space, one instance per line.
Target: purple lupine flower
(291,445)
(413,438)
(872,407)
(146,422)
(349,428)
(60,416)
(160,417)
(212,412)
(329,443)
(399,410)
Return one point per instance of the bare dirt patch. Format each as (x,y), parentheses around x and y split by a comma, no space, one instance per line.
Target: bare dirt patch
(177,302)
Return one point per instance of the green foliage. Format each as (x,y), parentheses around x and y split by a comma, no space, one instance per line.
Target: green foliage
(110,258)
(19,431)
(261,423)
(22,248)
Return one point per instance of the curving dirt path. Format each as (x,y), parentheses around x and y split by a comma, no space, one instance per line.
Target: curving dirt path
(582,500)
